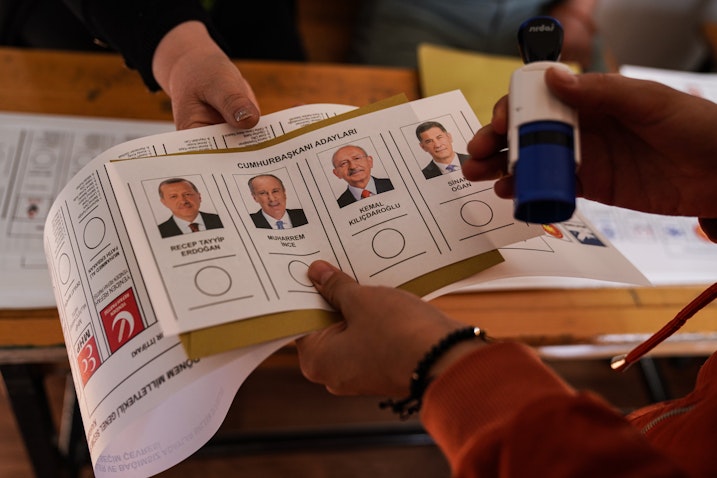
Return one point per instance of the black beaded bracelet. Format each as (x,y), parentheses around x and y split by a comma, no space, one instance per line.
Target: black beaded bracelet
(419,378)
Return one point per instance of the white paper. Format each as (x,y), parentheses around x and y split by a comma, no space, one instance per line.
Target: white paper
(669,250)
(698,84)
(145,405)
(38,156)
(570,254)
(209,278)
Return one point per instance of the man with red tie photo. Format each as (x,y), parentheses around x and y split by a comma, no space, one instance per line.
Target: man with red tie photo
(182,197)
(353,165)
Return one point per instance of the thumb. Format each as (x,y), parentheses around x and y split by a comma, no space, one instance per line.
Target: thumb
(238,108)
(240,111)
(607,93)
(333,284)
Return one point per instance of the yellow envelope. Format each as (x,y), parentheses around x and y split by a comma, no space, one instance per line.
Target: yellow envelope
(482,78)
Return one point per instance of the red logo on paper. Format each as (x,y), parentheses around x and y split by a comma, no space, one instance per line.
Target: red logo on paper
(553,230)
(88,359)
(121,320)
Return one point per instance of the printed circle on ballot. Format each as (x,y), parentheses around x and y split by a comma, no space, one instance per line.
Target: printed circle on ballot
(476,213)
(94,232)
(298,271)
(43,157)
(388,243)
(64,267)
(213,281)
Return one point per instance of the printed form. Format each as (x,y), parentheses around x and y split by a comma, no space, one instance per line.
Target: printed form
(405,229)
(133,381)
(38,156)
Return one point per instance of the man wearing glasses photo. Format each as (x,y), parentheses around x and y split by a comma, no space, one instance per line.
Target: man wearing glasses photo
(353,165)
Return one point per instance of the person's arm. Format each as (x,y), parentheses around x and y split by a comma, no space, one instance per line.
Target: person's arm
(499,412)
(172,45)
(203,83)
(493,408)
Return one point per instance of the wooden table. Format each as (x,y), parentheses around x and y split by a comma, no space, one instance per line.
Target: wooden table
(100,85)
(560,323)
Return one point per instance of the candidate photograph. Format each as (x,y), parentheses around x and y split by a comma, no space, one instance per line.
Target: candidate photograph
(183,200)
(434,139)
(269,192)
(353,164)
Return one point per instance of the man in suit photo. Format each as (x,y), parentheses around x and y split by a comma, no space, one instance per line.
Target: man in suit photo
(270,193)
(182,197)
(436,141)
(353,165)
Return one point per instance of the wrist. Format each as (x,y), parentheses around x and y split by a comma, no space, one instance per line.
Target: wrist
(453,355)
(441,356)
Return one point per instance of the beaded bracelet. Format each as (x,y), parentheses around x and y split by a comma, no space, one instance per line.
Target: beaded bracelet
(419,378)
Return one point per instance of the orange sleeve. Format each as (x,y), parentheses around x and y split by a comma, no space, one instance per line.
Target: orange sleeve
(499,412)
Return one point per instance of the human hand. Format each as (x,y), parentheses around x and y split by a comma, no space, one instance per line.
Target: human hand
(384,334)
(205,87)
(644,146)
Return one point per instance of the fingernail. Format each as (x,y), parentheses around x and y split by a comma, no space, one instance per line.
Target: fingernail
(320,272)
(242,114)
